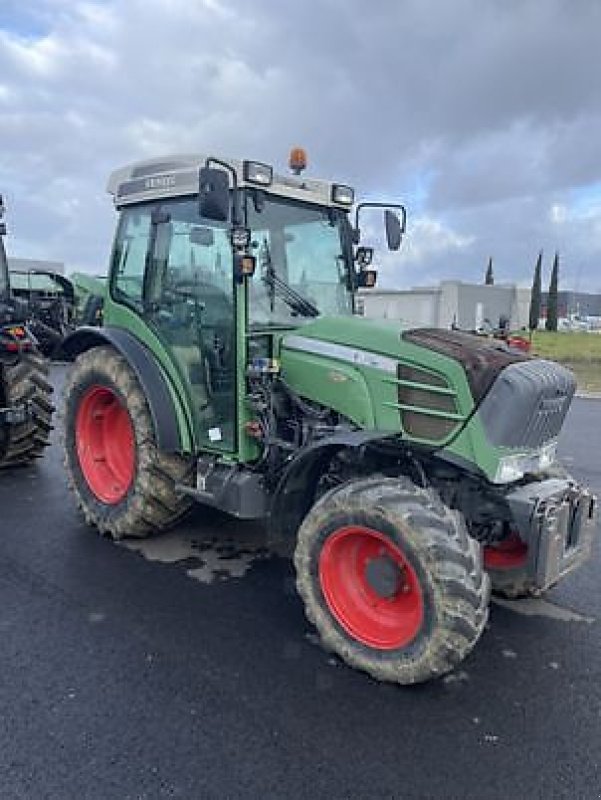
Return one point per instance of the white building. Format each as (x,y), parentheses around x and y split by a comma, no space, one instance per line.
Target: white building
(468,306)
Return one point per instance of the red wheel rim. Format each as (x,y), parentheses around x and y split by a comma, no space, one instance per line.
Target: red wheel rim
(386,612)
(511,553)
(105,443)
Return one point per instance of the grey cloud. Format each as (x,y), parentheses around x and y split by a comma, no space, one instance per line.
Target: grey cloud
(496,103)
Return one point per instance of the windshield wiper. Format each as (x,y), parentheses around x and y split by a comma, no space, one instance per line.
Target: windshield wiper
(293,299)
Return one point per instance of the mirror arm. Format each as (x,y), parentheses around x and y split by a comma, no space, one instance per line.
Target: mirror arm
(370,204)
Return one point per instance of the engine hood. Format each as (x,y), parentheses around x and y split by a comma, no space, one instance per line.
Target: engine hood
(373,342)
(376,336)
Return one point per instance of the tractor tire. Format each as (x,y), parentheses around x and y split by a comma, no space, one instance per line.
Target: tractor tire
(507,567)
(123,483)
(512,584)
(25,383)
(391,579)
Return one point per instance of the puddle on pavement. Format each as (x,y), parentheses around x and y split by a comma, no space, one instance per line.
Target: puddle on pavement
(210,555)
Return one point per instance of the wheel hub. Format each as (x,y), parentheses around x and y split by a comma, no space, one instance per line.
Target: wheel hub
(384,576)
(371,588)
(105,442)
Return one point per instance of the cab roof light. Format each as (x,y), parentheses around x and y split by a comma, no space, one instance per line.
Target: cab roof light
(258,173)
(297,161)
(344,195)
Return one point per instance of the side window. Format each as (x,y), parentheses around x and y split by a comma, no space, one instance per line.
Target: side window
(129,257)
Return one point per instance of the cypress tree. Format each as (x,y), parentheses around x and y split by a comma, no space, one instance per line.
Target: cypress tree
(535,297)
(489,278)
(551,321)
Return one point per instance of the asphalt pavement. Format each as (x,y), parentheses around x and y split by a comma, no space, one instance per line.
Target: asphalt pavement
(183,667)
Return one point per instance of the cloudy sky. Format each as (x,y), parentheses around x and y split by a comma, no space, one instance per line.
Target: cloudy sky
(483,117)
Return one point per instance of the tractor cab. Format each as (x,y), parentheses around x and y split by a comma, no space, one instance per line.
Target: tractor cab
(215,260)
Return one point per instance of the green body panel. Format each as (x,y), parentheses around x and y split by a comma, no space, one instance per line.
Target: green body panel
(339,386)
(378,336)
(376,405)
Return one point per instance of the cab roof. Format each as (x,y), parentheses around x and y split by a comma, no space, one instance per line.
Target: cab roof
(177,175)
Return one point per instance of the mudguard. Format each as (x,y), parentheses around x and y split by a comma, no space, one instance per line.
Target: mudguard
(141,360)
(294,494)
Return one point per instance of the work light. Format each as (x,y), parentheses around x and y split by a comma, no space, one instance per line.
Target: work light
(255,172)
(344,195)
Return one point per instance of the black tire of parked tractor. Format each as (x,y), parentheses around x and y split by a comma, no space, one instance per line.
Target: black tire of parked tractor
(438,552)
(512,584)
(151,503)
(24,384)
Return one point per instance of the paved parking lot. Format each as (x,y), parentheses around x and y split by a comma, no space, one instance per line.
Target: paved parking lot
(183,667)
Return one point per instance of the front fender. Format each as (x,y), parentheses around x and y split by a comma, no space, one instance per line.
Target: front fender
(295,491)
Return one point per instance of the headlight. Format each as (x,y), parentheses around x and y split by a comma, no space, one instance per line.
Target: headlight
(512,468)
(344,195)
(255,172)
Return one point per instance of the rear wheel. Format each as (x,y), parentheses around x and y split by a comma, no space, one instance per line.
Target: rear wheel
(124,484)
(25,385)
(391,579)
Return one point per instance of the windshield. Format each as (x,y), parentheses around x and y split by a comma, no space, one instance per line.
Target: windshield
(3,269)
(300,272)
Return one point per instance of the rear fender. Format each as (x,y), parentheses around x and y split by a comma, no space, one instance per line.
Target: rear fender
(162,404)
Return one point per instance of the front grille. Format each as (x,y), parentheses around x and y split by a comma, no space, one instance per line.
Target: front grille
(527,404)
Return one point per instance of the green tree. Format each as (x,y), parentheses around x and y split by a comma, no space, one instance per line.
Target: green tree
(535,297)
(490,278)
(551,321)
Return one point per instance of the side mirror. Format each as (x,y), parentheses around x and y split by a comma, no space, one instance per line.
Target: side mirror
(214,194)
(394,231)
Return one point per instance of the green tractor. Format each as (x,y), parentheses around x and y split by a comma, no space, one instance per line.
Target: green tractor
(411,468)
(25,393)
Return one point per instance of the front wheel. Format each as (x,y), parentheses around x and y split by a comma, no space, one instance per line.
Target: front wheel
(124,484)
(391,579)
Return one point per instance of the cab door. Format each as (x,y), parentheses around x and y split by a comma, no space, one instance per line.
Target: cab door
(188,300)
